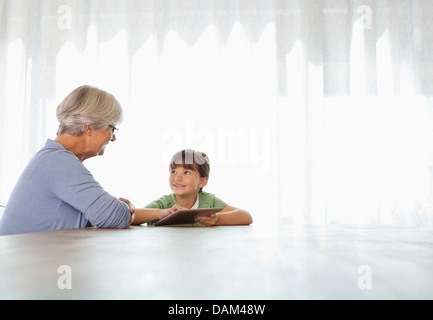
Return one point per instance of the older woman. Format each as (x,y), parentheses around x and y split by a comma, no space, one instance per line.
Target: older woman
(56,191)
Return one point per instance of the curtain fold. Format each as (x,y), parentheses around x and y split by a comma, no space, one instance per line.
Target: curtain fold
(311,111)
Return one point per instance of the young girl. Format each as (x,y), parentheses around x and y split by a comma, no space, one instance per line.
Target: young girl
(189,174)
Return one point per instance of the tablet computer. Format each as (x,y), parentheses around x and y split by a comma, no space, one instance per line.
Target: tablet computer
(186,216)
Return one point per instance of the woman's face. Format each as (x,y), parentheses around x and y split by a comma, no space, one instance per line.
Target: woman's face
(106,137)
(98,140)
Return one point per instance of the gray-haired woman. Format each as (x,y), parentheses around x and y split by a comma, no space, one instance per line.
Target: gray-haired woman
(56,191)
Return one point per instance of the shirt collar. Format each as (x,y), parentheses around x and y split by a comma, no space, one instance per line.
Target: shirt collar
(195,206)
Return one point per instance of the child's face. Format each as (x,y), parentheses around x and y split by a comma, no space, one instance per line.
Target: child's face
(185,182)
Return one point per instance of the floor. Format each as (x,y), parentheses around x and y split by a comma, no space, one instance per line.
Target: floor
(241,262)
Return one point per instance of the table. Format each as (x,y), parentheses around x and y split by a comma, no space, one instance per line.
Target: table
(211,263)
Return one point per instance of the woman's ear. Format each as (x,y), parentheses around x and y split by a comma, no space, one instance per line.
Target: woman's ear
(203,182)
(87,130)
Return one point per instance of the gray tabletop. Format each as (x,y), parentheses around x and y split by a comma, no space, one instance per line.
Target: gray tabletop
(236,262)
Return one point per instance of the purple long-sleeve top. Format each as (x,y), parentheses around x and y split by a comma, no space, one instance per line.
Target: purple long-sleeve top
(56,191)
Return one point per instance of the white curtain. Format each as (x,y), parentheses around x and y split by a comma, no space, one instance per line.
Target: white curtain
(311,111)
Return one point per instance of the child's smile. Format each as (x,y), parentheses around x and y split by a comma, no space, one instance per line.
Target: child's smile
(175,185)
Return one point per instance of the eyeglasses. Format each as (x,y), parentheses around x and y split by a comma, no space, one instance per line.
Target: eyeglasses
(114,130)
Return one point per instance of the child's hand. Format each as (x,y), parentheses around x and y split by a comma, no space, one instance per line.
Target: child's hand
(208,221)
(167,212)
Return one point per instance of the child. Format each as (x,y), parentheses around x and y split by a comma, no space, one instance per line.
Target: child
(189,174)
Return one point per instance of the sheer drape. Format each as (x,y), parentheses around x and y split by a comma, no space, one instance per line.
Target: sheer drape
(311,111)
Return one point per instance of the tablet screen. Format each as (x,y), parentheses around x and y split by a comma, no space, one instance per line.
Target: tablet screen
(186,216)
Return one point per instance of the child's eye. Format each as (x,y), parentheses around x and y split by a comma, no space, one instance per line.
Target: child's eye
(173,171)
(187,172)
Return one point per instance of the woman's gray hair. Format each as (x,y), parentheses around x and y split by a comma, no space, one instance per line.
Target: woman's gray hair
(87,105)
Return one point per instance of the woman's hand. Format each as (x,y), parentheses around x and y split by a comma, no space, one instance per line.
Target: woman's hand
(131,209)
(208,221)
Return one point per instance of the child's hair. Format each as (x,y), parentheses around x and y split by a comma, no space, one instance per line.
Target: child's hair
(191,160)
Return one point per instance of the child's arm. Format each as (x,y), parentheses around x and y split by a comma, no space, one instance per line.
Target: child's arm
(228,216)
(146,214)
